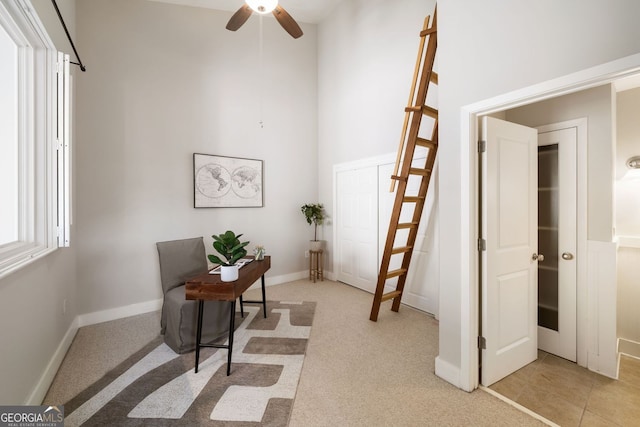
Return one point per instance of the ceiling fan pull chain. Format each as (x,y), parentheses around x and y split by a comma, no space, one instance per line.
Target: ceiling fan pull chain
(261,72)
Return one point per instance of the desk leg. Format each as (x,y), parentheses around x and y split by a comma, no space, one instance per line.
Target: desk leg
(264,299)
(199,332)
(241,307)
(232,322)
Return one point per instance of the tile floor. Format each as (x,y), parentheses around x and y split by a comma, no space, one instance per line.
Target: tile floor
(570,395)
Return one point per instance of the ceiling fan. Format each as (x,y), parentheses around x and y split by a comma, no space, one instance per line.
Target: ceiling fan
(263,7)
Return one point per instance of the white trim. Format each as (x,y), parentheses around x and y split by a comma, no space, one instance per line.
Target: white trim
(118,312)
(595,76)
(629,348)
(628,241)
(278,280)
(447,371)
(602,311)
(40,390)
(382,159)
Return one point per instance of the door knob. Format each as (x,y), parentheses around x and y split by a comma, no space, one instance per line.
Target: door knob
(537,257)
(567,255)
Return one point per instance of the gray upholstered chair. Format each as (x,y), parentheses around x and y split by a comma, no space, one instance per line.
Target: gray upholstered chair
(179,261)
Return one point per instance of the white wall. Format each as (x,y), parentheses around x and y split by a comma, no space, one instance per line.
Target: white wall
(489,48)
(164,82)
(31,299)
(366,56)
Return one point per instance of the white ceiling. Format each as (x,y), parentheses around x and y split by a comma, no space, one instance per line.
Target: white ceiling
(310,11)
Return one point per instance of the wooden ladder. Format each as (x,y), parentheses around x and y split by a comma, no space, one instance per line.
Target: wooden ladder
(423,77)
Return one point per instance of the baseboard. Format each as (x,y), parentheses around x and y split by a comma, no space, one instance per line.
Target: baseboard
(628,347)
(448,372)
(278,280)
(40,390)
(119,312)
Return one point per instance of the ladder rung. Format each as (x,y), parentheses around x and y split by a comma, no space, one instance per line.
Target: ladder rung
(434,77)
(412,199)
(425,143)
(428,31)
(391,295)
(398,178)
(424,109)
(400,250)
(420,171)
(403,225)
(396,273)
(429,111)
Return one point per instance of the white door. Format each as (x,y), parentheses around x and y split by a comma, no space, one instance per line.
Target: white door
(509,275)
(421,288)
(557,241)
(357,227)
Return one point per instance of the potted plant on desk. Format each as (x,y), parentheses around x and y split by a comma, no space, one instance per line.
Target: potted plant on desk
(314,214)
(230,248)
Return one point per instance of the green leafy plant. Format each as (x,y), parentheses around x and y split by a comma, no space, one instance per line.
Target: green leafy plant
(314,214)
(229,247)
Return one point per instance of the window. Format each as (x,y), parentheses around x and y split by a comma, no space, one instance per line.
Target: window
(34,145)
(9,139)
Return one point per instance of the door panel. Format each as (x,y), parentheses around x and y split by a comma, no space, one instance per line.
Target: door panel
(557,276)
(357,227)
(509,227)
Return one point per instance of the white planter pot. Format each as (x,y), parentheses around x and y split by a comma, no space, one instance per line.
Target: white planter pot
(316,245)
(229,273)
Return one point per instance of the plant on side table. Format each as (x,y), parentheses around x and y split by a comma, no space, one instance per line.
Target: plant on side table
(314,214)
(230,248)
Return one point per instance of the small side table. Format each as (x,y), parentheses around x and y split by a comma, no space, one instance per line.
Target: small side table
(315,266)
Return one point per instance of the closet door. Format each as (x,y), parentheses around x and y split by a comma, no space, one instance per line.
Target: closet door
(357,227)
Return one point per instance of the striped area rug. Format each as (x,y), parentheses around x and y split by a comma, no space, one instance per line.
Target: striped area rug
(157,387)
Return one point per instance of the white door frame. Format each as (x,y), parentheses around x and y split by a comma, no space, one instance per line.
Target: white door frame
(469,295)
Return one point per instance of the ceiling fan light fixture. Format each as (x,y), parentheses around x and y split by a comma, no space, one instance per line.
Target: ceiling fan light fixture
(262,6)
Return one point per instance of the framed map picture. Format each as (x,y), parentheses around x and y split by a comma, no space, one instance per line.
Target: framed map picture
(226,182)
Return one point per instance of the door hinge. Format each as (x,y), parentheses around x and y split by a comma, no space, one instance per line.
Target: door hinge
(482,245)
(482,146)
(482,343)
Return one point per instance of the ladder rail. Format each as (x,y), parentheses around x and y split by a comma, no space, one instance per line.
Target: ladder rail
(403,135)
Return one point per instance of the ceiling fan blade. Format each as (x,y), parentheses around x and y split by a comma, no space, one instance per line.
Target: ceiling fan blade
(287,22)
(239,18)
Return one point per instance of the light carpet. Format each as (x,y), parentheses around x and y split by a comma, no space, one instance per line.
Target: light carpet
(158,387)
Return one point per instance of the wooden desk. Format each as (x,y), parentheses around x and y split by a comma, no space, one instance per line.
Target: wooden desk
(209,287)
